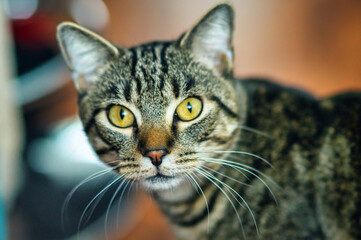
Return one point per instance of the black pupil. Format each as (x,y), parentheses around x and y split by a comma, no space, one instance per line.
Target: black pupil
(122,113)
(189,107)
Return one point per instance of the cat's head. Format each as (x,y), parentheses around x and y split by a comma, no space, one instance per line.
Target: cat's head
(154,110)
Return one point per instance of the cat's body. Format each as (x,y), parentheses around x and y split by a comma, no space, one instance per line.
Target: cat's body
(171,116)
(314,148)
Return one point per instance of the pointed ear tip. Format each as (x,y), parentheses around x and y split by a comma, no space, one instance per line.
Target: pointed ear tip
(224,10)
(63,26)
(67,27)
(226,6)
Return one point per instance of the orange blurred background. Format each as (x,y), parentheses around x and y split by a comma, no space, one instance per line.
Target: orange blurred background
(311,44)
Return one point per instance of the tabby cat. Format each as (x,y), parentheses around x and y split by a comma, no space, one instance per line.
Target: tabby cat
(225,158)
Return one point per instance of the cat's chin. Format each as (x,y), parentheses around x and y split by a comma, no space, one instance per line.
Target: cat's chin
(160,183)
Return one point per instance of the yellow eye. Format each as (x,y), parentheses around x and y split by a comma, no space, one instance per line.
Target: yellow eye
(189,109)
(121,116)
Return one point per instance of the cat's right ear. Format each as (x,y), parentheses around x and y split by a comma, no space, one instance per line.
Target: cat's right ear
(86,54)
(210,40)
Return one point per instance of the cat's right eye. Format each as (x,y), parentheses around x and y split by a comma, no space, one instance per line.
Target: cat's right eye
(189,109)
(120,116)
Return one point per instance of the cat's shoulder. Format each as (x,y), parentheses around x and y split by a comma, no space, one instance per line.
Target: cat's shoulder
(346,100)
(341,111)
(273,97)
(263,86)
(347,109)
(272,106)
(255,87)
(268,98)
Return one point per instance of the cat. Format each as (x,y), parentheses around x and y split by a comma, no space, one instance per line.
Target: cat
(225,158)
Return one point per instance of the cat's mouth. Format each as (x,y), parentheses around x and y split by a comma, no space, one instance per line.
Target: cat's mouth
(160,182)
(159,178)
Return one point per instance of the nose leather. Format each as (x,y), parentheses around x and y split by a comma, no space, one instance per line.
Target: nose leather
(156,156)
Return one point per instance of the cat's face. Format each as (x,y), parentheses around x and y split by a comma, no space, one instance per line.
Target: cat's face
(153,111)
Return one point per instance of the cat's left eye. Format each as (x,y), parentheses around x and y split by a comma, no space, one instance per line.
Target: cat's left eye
(120,116)
(189,109)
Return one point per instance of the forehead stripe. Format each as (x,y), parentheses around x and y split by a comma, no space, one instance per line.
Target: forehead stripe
(127,90)
(161,82)
(190,83)
(163,60)
(163,63)
(175,85)
(134,70)
(154,54)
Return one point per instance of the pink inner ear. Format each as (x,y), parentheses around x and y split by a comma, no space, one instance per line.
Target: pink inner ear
(224,64)
(80,82)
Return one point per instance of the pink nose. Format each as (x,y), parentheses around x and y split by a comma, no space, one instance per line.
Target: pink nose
(156,156)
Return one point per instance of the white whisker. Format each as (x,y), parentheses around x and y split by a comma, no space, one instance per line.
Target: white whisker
(245,168)
(71,193)
(130,188)
(204,196)
(231,178)
(249,129)
(94,198)
(226,188)
(110,204)
(243,200)
(225,194)
(190,180)
(119,201)
(241,152)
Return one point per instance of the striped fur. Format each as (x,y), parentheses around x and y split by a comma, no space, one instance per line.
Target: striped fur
(216,182)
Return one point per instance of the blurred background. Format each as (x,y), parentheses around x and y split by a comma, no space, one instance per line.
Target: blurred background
(311,44)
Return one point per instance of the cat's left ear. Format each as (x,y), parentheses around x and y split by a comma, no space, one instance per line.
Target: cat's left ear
(210,40)
(86,53)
